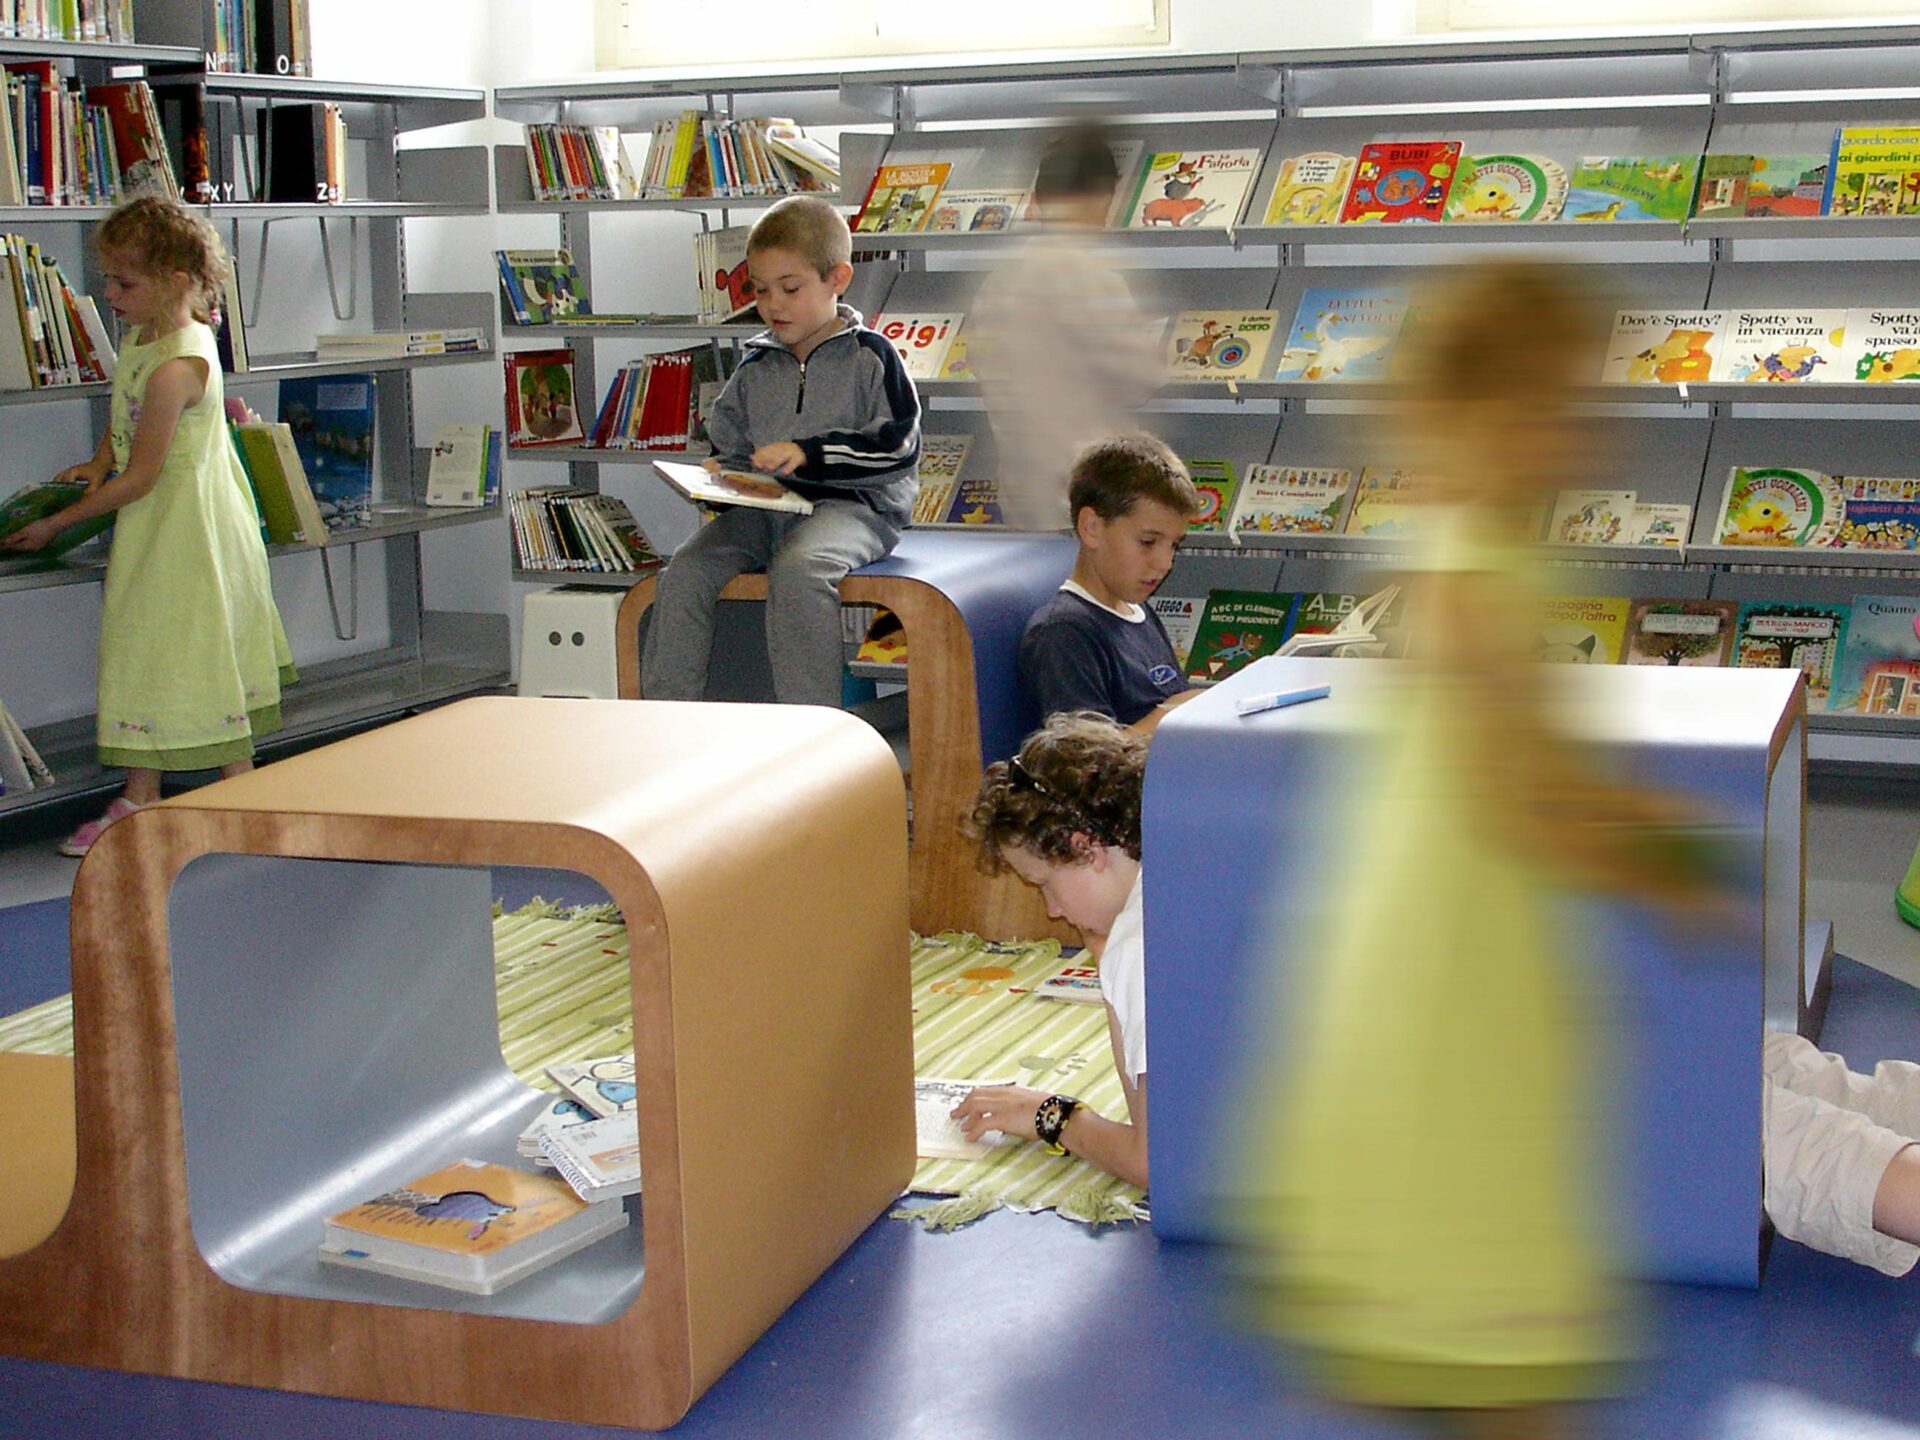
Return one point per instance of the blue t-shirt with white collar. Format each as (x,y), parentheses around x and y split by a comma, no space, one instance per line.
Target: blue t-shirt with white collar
(1076,654)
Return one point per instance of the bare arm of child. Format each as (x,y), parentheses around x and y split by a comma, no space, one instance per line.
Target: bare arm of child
(95,468)
(173,386)
(1150,722)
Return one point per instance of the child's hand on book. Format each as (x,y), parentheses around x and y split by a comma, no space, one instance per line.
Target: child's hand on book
(85,473)
(35,536)
(1010,1109)
(781,458)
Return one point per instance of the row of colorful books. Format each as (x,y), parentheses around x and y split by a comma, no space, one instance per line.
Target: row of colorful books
(62,143)
(263,37)
(656,402)
(691,156)
(1864,172)
(50,333)
(21,768)
(1871,345)
(557,527)
(103,21)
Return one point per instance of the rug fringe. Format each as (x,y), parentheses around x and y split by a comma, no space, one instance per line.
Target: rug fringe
(1091,1205)
(949,1215)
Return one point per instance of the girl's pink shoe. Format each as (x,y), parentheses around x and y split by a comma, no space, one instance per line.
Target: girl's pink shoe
(81,840)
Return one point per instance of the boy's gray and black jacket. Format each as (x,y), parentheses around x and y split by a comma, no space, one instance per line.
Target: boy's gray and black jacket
(851,406)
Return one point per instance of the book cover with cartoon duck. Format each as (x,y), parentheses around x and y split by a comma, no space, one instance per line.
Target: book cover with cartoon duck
(1343,334)
(1879,668)
(1519,188)
(1239,627)
(1632,187)
(464,1209)
(1401,180)
(1803,636)
(1779,505)
(1775,347)
(1663,347)
(1191,190)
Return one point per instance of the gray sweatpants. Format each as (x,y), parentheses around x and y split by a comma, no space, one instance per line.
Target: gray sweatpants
(805,557)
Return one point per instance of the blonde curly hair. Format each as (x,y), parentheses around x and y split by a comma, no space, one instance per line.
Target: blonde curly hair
(1079,774)
(163,237)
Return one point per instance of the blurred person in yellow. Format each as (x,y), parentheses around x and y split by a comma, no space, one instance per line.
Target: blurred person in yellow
(1062,353)
(1427,1199)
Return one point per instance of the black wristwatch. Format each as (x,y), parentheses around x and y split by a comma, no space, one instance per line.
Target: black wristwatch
(1051,1118)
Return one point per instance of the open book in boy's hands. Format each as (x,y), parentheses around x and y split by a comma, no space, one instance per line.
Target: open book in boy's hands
(731,487)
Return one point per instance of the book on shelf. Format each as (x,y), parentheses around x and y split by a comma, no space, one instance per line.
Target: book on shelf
(1309,189)
(604,1085)
(97,20)
(1632,187)
(1878,512)
(331,417)
(1581,629)
(975,502)
(229,328)
(1290,500)
(279,479)
(1237,628)
(469,1226)
(941,460)
(723,291)
(57,142)
(50,334)
(1659,524)
(560,527)
(1191,189)
(1724,183)
(1664,347)
(732,487)
(579,162)
(303,154)
(1387,502)
(137,140)
(1217,481)
(542,404)
(1343,333)
(656,401)
(922,339)
(1592,517)
(1873,170)
(704,156)
(956,365)
(1401,180)
(901,198)
(541,287)
(1341,625)
(802,153)
(1680,632)
(1078,983)
(937,1135)
(457,466)
(283,42)
(21,768)
(1218,344)
(599,1159)
(975,212)
(200,139)
(1787,185)
(1878,671)
(1180,616)
(1783,346)
(398,344)
(1779,505)
(1793,635)
(1883,346)
(1507,188)
(39,500)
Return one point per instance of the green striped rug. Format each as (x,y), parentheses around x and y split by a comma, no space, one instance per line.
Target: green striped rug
(564,994)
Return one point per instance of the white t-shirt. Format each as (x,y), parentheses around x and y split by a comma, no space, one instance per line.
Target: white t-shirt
(1123,981)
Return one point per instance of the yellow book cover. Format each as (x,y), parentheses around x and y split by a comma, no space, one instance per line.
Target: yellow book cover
(1875,171)
(469,1208)
(1582,629)
(1309,189)
(901,198)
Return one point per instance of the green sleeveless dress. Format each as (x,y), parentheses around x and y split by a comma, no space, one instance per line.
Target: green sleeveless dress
(1422,1191)
(192,653)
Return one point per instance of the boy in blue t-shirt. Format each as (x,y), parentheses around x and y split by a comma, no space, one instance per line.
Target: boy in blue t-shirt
(825,403)
(1096,645)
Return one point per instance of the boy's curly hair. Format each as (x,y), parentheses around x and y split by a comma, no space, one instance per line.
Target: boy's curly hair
(809,227)
(163,237)
(1079,773)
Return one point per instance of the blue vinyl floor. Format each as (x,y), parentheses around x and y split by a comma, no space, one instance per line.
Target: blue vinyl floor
(1027,1326)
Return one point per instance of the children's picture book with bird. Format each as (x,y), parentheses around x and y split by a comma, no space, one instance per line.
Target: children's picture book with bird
(1883,346)
(1663,347)
(1879,512)
(1191,189)
(900,199)
(1239,627)
(1581,629)
(1507,188)
(1397,181)
(1770,635)
(1681,632)
(1779,505)
(1309,189)
(1343,334)
(1290,500)
(1879,668)
(1219,344)
(1783,347)
(1632,187)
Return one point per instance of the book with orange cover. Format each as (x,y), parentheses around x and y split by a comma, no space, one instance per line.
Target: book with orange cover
(901,198)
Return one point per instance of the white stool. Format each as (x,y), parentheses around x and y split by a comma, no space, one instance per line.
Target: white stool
(567,643)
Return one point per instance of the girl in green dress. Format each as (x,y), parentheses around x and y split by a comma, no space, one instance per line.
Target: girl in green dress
(192,653)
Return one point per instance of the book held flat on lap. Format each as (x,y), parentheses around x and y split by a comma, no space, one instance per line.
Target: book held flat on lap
(731,487)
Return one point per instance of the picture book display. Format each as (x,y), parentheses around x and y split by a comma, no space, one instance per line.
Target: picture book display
(937,1135)
(941,457)
(1783,346)
(599,1158)
(1659,524)
(469,1226)
(1663,347)
(1873,170)
(1724,183)
(1681,632)
(542,406)
(1180,617)
(731,487)
(1387,502)
(1309,189)
(1786,635)
(1632,187)
(1342,334)
(1341,625)
(1191,189)
(1776,505)
(975,212)
(1879,667)
(331,417)
(1218,344)
(1591,517)
(1883,346)
(976,501)
(1507,188)
(1237,628)
(1792,185)
(922,340)
(1400,181)
(1079,983)
(1290,500)
(1321,611)
(1216,482)
(900,199)
(1878,513)
(1581,629)
(36,502)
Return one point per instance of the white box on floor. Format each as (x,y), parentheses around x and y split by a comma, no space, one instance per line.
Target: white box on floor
(567,643)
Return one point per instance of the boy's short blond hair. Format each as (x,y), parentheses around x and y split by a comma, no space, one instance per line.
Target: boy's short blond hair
(809,227)
(1112,476)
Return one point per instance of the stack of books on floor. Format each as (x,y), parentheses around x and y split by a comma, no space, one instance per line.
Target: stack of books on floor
(21,768)
(658,402)
(394,344)
(557,527)
(50,333)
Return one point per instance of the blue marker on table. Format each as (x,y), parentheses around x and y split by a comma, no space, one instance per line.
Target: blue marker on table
(1259,704)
